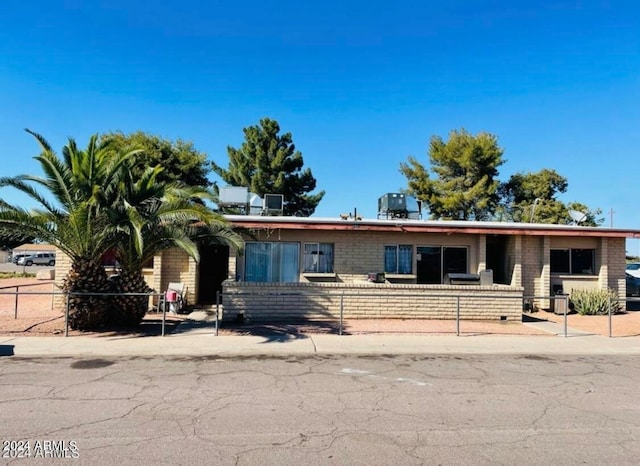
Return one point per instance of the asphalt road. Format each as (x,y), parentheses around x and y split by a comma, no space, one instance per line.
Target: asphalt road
(373,410)
(10,267)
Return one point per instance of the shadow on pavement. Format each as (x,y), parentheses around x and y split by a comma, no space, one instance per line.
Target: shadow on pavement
(528,318)
(147,328)
(280,332)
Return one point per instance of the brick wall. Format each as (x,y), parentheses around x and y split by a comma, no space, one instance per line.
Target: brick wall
(63,266)
(535,269)
(617,248)
(289,301)
(177,266)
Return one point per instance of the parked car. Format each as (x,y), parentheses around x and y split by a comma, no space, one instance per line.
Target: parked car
(16,257)
(633,285)
(633,268)
(40,258)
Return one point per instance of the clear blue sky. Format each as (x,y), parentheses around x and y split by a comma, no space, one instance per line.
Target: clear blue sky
(361,85)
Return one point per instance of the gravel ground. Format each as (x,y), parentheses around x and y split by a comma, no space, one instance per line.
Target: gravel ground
(36,318)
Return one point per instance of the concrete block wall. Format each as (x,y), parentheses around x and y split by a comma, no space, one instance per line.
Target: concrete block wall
(482,254)
(177,266)
(533,280)
(290,301)
(233,261)
(617,248)
(63,266)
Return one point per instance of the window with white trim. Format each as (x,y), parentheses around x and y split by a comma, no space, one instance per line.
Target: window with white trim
(318,258)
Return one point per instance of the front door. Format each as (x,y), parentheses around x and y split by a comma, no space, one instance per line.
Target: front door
(429,265)
(214,269)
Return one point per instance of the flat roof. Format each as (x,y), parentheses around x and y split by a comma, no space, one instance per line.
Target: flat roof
(426,226)
(35,247)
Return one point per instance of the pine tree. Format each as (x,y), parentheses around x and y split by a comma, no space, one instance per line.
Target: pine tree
(268,163)
(465,186)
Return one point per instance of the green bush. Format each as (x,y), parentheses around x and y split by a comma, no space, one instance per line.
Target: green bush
(16,275)
(594,302)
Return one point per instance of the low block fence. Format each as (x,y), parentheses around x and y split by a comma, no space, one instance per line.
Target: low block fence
(293,301)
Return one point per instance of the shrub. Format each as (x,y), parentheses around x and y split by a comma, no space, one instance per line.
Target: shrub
(594,302)
(16,275)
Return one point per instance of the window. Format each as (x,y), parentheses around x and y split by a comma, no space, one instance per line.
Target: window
(318,257)
(573,261)
(398,258)
(272,262)
(434,262)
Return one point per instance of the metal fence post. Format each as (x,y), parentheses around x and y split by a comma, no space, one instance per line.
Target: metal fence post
(458,315)
(163,300)
(341,312)
(66,315)
(610,331)
(566,309)
(217,309)
(15,305)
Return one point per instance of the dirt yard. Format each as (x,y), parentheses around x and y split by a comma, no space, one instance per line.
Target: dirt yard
(37,318)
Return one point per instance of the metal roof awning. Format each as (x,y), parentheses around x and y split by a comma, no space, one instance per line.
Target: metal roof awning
(427,226)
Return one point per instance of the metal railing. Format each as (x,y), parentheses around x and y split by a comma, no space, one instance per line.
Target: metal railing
(342,294)
(17,293)
(164,303)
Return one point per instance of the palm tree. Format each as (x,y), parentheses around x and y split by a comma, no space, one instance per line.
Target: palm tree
(98,205)
(151,216)
(73,216)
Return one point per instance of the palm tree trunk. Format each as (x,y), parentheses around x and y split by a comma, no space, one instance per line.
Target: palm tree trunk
(131,310)
(87,312)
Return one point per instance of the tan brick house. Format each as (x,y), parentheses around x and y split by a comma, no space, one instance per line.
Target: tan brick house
(294,267)
(299,266)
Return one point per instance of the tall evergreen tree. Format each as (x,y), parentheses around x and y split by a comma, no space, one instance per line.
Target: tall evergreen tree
(268,163)
(465,186)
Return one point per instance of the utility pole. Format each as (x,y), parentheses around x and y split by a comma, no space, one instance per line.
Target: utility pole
(611,212)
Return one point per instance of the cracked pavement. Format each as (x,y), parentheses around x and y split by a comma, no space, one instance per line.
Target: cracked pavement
(324,409)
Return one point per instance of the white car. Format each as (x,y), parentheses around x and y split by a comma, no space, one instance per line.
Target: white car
(40,258)
(633,269)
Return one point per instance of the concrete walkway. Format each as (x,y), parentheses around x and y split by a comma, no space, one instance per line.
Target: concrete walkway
(203,342)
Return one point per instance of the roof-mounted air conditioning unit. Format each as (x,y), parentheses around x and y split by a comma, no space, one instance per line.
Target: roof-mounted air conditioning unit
(255,204)
(273,204)
(398,205)
(233,196)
